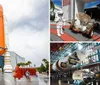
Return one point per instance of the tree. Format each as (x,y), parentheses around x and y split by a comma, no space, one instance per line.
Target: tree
(43,69)
(26,64)
(29,62)
(21,64)
(52,7)
(39,69)
(46,64)
(18,64)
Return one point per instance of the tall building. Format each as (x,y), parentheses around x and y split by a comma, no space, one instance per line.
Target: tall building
(72,7)
(15,58)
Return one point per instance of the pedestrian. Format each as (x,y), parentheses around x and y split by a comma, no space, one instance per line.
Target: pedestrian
(17,72)
(27,75)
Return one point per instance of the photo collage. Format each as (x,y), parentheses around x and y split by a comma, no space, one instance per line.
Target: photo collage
(74,42)
(49,42)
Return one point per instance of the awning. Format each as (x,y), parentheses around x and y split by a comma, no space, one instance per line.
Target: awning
(92,5)
(87,1)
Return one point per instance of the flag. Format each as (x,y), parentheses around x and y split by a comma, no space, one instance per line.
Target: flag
(65,2)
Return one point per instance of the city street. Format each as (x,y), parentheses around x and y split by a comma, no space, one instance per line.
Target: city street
(7,79)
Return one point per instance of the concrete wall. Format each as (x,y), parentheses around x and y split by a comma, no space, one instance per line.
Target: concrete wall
(79,6)
(15,58)
(71,10)
(67,12)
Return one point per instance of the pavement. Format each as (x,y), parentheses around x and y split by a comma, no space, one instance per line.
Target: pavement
(71,36)
(8,79)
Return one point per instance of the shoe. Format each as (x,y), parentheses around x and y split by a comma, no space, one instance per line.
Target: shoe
(61,31)
(58,32)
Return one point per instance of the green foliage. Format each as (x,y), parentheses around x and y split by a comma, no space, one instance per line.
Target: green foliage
(29,62)
(52,7)
(43,67)
(18,64)
(38,69)
(23,64)
(46,64)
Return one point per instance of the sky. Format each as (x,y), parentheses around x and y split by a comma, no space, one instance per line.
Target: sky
(88,5)
(27,24)
(92,4)
(57,2)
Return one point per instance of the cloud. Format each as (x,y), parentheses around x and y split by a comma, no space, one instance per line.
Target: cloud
(28,25)
(30,44)
(28,10)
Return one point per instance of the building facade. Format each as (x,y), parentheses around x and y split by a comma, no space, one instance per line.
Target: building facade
(72,7)
(15,58)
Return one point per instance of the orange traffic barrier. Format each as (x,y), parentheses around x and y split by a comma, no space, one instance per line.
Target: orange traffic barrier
(20,72)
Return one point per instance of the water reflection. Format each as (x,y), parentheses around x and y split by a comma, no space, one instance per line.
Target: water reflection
(7,79)
(45,80)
